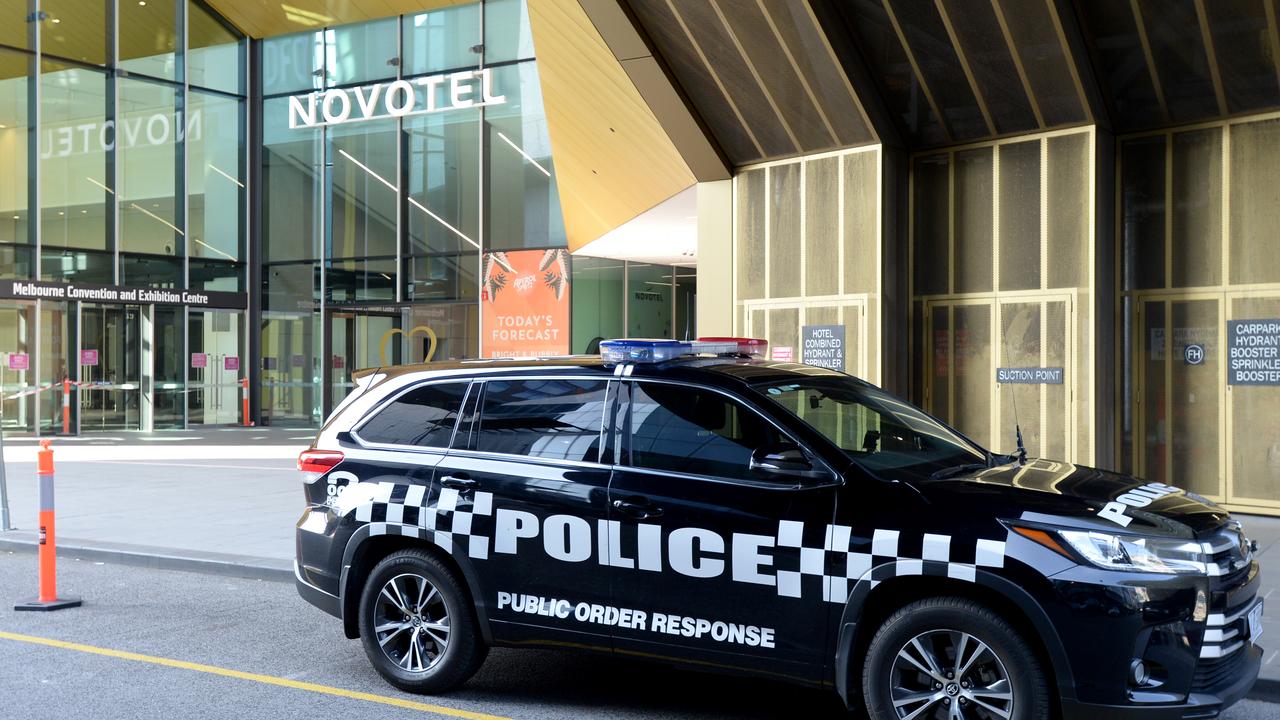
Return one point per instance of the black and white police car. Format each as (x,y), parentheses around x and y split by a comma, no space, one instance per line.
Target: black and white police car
(692,503)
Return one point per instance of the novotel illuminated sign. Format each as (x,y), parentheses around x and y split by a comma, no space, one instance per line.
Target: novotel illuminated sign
(399,98)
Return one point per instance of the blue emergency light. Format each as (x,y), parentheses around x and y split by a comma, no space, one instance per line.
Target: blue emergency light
(656,351)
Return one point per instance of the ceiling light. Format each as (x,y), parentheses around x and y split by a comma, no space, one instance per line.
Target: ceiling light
(17,217)
(142,2)
(56,21)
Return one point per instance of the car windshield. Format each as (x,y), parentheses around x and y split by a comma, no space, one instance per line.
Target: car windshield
(883,434)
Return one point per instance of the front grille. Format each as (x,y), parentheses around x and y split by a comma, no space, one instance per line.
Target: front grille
(1212,674)
(1228,552)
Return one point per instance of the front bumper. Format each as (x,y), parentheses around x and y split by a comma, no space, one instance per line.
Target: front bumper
(1199,668)
(1197,705)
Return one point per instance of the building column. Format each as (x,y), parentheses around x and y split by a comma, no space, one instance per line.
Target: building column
(147,386)
(715,258)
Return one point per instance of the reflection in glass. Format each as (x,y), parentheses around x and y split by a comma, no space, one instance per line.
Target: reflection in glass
(507,32)
(75,29)
(442,39)
(598,296)
(148,37)
(74,139)
(649,296)
(292,160)
(523,208)
(292,63)
(215,52)
(361,52)
(148,126)
(215,181)
(14,215)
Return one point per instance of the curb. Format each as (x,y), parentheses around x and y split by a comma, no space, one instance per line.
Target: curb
(207,563)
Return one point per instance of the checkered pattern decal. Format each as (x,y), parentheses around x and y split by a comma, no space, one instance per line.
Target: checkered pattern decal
(398,509)
(891,553)
(835,565)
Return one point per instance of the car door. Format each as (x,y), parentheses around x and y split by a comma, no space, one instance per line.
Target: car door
(721,564)
(529,476)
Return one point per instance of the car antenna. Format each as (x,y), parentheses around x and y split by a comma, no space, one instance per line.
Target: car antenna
(1021,452)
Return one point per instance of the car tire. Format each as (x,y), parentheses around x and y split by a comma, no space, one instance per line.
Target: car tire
(905,674)
(417,624)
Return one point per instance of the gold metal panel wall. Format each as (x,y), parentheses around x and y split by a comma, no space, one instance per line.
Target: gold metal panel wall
(613,160)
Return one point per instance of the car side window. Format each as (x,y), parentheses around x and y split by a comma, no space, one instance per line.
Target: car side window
(683,429)
(552,419)
(425,416)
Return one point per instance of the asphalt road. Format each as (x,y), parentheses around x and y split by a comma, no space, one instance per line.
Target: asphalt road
(254,641)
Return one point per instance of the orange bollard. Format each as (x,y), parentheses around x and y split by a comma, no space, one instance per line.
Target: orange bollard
(244,400)
(66,406)
(48,548)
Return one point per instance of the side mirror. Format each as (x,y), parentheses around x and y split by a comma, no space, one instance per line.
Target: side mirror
(785,460)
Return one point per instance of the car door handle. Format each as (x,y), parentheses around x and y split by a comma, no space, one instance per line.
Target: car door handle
(458,482)
(637,510)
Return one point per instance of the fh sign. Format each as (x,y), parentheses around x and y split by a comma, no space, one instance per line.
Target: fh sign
(399,98)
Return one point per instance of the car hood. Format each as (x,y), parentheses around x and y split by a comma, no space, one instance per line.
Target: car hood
(1075,495)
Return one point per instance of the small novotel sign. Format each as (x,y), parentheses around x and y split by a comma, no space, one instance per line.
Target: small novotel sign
(398,98)
(1029,375)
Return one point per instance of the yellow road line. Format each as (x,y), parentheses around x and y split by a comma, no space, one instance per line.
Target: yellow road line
(252,677)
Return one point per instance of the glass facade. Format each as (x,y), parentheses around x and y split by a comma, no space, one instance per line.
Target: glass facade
(124,124)
(622,298)
(376,217)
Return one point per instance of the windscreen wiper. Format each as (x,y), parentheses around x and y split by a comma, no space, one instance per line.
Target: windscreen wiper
(955,470)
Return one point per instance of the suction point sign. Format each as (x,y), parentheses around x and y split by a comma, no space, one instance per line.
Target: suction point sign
(399,98)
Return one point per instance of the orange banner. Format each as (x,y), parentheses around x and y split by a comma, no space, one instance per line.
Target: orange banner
(525,303)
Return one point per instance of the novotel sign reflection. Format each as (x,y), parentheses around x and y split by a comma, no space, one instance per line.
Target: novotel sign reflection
(399,98)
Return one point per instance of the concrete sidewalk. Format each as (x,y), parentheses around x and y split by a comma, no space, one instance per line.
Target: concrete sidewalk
(231,509)
(233,515)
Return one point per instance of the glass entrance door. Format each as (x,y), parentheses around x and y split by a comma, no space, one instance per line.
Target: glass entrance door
(358,340)
(111,363)
(215,367)
(17,373)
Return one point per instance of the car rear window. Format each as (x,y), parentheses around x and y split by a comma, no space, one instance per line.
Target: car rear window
(425,416)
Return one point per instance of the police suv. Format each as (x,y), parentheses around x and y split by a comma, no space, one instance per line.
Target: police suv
(693,503)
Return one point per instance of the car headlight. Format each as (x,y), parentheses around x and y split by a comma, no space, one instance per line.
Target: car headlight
(1137,554)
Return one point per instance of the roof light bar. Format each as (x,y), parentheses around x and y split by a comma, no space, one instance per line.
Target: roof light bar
(656,351)
(754,347)
(643,351)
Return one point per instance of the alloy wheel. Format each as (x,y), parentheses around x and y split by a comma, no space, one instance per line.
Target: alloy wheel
(411,622)
(949,675)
